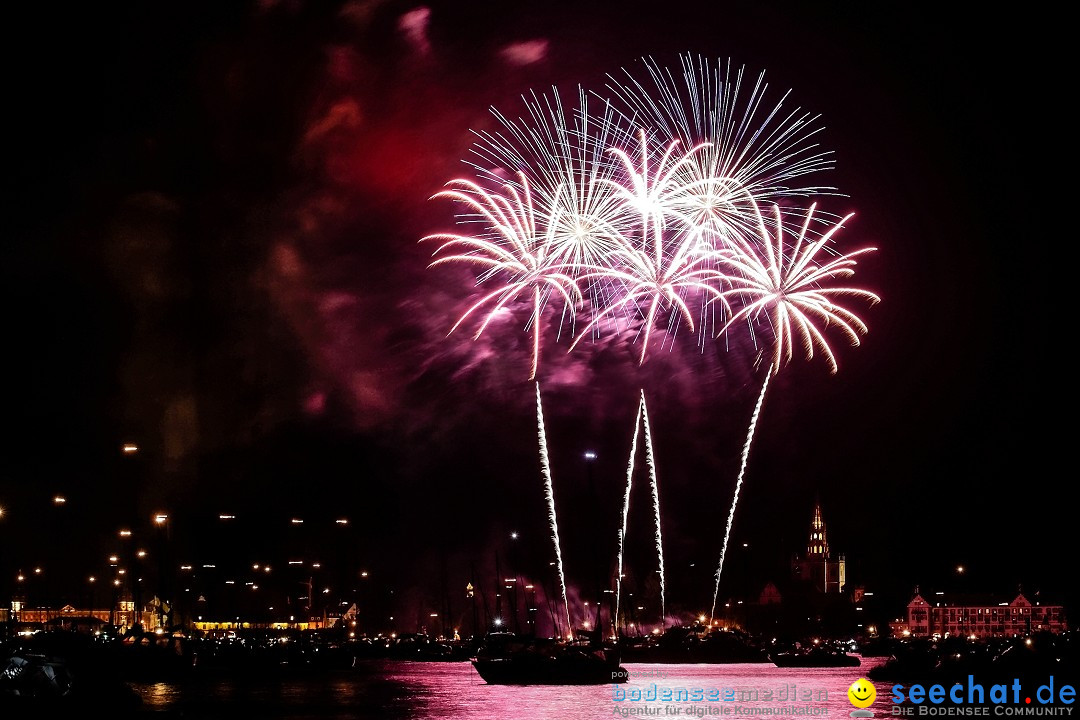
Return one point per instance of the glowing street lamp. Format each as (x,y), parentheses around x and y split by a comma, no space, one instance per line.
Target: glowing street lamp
(129,448)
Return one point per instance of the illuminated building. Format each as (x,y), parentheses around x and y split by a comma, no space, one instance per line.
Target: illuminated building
(817,566)
(965,615)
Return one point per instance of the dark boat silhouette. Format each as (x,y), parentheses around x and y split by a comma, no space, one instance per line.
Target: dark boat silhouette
(815,657)
(693,644)
(507,659)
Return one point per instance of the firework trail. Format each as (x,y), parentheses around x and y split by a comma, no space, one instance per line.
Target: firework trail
(667,262)
(754,145)
(549,495)
(641,420)
(738,487)
(790,289)
(509,246)
(650,462)
(625,514)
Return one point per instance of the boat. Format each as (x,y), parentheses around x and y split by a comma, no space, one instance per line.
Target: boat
(814,657)
(507,659)
(693,644)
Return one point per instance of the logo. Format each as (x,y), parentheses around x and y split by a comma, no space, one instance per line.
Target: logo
(862,695)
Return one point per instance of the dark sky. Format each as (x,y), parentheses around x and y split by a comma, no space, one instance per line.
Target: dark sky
(211,226)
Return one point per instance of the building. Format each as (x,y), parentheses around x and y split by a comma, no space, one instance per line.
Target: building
(65,618)
(817,567)
(121,615)
(978,616)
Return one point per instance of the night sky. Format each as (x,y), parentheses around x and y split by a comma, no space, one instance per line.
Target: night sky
(211,233)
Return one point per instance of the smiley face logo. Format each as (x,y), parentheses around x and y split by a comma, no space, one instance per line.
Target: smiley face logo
(861,693)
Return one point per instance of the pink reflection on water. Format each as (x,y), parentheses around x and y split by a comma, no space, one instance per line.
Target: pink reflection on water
(389,690)
(455,692)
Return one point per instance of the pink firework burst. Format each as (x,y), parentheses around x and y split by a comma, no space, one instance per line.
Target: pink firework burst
(664,262)
(790,287)
(510,250)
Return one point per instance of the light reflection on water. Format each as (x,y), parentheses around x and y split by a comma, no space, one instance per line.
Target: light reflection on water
(453,691)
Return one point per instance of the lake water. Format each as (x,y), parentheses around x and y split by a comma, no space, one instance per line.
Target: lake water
(453,691)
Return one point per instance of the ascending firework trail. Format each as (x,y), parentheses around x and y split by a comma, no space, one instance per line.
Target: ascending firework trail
(641,419)
(549,494)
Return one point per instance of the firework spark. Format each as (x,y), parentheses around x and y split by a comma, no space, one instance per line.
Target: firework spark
(549,496)
(791,289)
(509,246)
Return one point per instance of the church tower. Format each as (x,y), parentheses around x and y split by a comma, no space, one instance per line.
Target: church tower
(818,547)
(817,566)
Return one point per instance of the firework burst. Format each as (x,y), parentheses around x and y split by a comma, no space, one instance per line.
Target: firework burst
(510,247)
(564,154)
(755,147)
(790,287)
(650,208)
(663,263)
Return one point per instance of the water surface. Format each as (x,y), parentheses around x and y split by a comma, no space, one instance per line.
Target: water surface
(453,691)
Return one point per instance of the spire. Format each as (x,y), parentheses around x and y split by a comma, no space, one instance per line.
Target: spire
(817,546)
